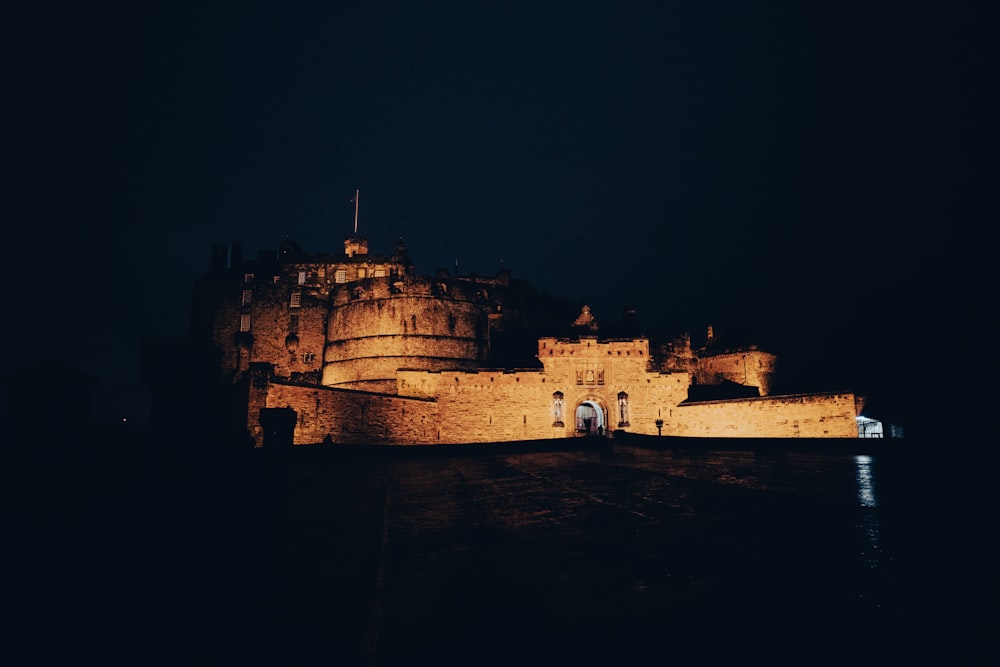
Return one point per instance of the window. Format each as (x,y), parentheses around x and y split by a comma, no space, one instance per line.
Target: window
(340,276)
(247,297)
(302,277)
(296,300)
(362,273)
(380,273)
(248,277)
(308,357)
(244,323)
(293,324)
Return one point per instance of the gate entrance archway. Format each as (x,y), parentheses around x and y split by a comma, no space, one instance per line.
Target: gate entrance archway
(591,419)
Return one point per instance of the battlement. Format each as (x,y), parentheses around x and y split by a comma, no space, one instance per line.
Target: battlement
(592,347)
(399,285)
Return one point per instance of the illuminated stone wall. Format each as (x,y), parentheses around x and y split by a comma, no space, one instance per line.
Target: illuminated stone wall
(592,363)
(348,416)
(494,406)
(826,415)
(750,367)
(456,407)
(376,327)
(289,338)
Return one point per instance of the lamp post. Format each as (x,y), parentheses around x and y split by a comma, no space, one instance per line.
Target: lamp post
(659,427)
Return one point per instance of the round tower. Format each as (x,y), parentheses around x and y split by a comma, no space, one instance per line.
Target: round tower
(408,322)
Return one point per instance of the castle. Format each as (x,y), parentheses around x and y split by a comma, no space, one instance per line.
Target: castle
(364,349)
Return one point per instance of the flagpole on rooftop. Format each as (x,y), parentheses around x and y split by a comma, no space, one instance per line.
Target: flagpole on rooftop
(357,197)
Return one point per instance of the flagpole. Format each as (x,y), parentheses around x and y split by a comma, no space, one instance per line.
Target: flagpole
(357,195)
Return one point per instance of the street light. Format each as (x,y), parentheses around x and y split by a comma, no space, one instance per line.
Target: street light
(659,427)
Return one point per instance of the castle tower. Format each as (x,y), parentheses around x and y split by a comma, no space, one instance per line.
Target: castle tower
(355,245)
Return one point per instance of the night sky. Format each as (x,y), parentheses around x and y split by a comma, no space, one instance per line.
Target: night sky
(806,171)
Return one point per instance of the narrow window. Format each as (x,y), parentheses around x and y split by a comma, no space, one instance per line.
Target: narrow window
(247,297)
(293,324)
(244,322)
(302,277)
(296,300)
(340,276)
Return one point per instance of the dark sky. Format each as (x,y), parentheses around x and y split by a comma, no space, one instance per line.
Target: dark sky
(804,170)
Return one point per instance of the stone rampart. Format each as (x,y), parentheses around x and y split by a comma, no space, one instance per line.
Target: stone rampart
(343,416)
(824,415)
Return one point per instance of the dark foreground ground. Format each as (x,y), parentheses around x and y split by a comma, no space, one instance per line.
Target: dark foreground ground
(495,555)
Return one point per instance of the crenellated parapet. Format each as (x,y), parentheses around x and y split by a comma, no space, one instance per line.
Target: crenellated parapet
(589,361)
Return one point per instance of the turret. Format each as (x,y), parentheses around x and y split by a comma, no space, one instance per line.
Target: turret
(355,245)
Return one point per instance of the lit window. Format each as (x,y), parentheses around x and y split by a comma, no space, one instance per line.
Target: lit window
(296,300)
(302,277)
(340,276)
(247,297)
(380,273)
(362,273)
(244,323)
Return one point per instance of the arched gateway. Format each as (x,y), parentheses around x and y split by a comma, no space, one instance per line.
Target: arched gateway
(591,418)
